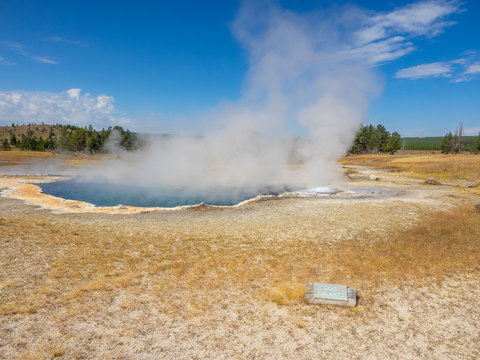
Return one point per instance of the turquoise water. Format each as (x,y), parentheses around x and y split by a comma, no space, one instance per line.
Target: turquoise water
(108,194)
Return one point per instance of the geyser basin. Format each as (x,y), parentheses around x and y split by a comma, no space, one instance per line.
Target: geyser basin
(109,194)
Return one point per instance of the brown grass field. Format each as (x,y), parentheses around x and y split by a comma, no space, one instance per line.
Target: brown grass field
(26,157)
(17,157)
(447,167)
(229,283)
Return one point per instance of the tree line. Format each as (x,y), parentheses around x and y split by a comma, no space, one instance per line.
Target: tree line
(369,139)
(453,143)
(375,139)
(71,138)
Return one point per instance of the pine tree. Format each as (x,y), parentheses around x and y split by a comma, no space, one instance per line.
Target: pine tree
(394,143)
(78,140)
(447,143)
(5,145)
(127,141)
(360,142)
(444,144)
(476,146)
(13,139)
(40,145)
(93,143)
(383,137)
(372,143)
(64,139)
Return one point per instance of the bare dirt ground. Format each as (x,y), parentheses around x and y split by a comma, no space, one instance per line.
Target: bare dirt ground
(229,283)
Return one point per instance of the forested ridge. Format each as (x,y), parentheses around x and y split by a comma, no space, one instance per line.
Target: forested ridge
(71,138)
(59,137)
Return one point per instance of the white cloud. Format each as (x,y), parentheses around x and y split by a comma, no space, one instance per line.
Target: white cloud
(473,68)
(20,48)
(59,39)
(458,70)
(68,107)
(421,18)
(383,51)
(436,69)
(387,36)
(472,131)
(4,61)
(74,93)
(461,61)
(44,60)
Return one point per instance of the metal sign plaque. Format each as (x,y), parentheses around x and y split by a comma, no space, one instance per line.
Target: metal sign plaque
(330,292)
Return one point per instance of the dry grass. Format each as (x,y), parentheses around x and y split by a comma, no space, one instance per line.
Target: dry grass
(16,157)
(55,262)
(70,275)
(440,245)
(351,171)
(21,157)
(447,167)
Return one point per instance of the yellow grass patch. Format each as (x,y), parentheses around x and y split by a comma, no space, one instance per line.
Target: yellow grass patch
(447,167)
(285,292)
(19,157)
(15,157)
(58,262)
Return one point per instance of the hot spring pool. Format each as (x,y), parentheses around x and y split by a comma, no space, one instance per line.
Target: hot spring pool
(108,194)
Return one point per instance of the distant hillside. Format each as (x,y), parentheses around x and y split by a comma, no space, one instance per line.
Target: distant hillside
(45,137)
(39,131)
(432,142)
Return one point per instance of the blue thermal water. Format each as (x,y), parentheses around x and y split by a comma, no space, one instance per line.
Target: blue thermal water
(108,194)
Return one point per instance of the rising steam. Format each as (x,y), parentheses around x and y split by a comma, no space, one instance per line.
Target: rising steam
(310,74)
(301,79)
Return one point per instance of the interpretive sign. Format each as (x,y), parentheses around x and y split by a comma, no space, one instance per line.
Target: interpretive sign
(331,292)
(318,293)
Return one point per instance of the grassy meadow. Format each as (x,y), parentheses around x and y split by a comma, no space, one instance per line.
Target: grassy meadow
(86,260)
(26,157)
(245,268)
(445,167)
(433,142)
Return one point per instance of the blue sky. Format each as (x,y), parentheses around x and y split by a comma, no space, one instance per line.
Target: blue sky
(151,65)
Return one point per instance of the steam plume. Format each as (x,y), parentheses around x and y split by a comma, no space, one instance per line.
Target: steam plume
(301,79)
(311,74)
